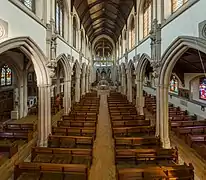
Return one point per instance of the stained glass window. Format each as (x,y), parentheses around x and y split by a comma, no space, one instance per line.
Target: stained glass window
(29,4)
(176,4)
(74,32)
(132,34)
(174,85)
(202,88)
(6,76)
(147,13)
(59,18)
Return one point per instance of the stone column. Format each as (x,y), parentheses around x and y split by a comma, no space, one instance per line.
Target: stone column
(25,95)
(58,85)
(44,114)
(21,100)
(157,132)
(87,83)
(67,96)
(129,87)
(140,97)
(164,119)
(77,88)
(124,90)
(83,85)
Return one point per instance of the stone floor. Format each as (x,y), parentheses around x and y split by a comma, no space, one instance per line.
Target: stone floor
(103,167)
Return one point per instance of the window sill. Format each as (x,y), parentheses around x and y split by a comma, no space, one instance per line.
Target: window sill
(179,11)
(27,11)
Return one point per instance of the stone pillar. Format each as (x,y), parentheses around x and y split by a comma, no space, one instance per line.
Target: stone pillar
(129,87)
(21,100)
(87,83)
(124,88)
(140,97)
(58,86)
(67,96)
(44,114)
(25,95)
(77,88)
(164,119)
(83,85)
(52,91)
(157,132)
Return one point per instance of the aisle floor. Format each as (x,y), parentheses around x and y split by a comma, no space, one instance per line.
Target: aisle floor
(103,167)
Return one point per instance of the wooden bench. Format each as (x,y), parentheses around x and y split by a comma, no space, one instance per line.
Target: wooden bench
(132,142)
(66,131)
(130,123)
(125,117)
(175,124)
(80,170)
(17,135)
(181,172)
(10,148)
(14,127)
(71,156)
(145,155)
(70,141)
(76,123)
(81,118)
(198,139)
(126,131)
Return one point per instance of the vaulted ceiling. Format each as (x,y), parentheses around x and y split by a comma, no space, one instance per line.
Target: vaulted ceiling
(103,16)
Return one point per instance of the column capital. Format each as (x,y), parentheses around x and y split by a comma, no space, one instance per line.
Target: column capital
(44,85)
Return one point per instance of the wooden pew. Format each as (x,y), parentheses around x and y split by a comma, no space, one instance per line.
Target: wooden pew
(16,135)
(66,131)
(79,170)
(56,141)
(180,172)
(77,123)
(130,123)
(125,117)
(71,156)
(146,155)
(78,118)
(10,148)
(132,142)
(126,131)
(197,139)
(175,124)
(21,127)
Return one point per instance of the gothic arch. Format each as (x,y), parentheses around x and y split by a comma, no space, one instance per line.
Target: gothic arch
(168,61)
(62,58)
(141,66)
(77,67)
(31,49)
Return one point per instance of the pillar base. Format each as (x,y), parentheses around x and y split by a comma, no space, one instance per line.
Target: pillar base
(42,143)
(166,143)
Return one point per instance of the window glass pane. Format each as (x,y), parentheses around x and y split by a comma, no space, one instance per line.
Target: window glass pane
(3,76)
(147,18)
(176,4)
(29,4)
(57,18)
(61,22)
(8,76)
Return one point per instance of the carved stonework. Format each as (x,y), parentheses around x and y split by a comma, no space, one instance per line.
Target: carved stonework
(3,29)
(52,66)
(202,30)
(156,65)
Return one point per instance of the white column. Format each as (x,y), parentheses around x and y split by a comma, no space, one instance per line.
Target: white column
(124,91)
(77,89)
(67,96)
(164,119)
(129,87)
(157,132)
(83,85)
(44,114)
(87,83)
(25,95)
(140,98)
(58,86)
(21,97)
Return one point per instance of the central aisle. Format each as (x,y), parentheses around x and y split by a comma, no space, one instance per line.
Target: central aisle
(103,167)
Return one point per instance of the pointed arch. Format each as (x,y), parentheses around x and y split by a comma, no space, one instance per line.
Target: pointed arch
(31,49)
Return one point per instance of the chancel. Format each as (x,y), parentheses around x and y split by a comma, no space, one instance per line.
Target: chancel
(102,89)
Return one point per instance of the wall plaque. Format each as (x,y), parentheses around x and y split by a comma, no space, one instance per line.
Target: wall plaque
(3,29)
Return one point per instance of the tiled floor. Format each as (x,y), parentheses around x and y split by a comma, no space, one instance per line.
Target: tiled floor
(103,167)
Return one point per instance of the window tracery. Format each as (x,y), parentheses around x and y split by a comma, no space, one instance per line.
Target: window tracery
(29,4)
(147,14)
(6,76)
(59,17)
(176,4)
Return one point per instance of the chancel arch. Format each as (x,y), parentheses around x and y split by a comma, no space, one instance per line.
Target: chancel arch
(180,57)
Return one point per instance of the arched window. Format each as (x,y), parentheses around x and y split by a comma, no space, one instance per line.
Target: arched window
(6,76)
(174,85)
(74,32)
(59,18)
(125,41)
(147,14)
(132,33)
(82,42)
(29,4)
(176,4)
